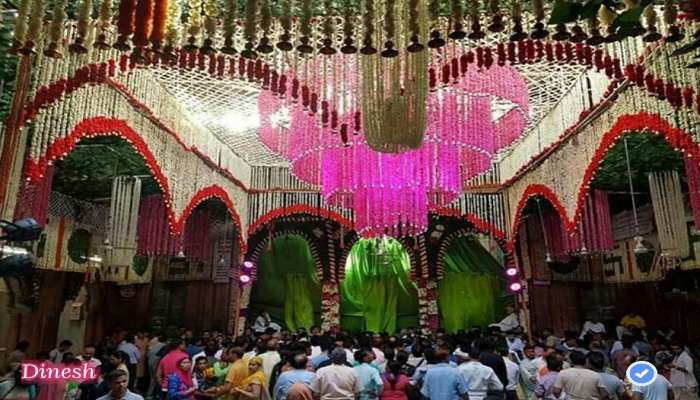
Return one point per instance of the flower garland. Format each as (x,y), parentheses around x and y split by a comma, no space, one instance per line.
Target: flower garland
(428,310)
(33,199)
(123,220)
(330,305)
(295,209)
(692,171)
(669,214)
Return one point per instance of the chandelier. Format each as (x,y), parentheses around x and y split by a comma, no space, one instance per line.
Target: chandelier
(392,194)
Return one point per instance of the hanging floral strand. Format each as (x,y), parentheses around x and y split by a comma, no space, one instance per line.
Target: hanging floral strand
(414,27)
(58,17)
(285,42)
(142,29)
(651,18)
(194,25)
(84,19)
(212,16)
(230,27)
(328,29)
(538,31)
(561,32)
(251,11)
(103,23)
(125,24)
(34,27)
(496,18)
(264,46)
(172,30)
(595,37)
(517,14)
(457,16)
(160,20)
(368,22)
(607,17)
(390,30)
(434,10)
(348,29)
(476,32)
(20,25)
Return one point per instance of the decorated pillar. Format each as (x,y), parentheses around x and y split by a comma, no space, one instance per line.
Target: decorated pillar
(330,305)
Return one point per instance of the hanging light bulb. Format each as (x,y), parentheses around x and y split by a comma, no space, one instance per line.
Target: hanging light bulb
(639,247)
(107,245)
(584,250)
(548,258)
(180,255)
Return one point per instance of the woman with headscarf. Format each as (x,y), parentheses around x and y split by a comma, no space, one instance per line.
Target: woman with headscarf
(180,383)
(254,387)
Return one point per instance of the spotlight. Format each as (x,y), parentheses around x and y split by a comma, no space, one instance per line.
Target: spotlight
(244,279)
(512,271)
(515,287)
(248,265)
(23,230)
(548,258)
(180,255)
(15,261)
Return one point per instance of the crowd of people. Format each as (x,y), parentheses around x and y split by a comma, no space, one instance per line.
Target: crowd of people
(478,364)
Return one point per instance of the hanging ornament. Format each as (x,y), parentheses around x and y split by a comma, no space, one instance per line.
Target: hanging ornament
(285,42)
(348,29)
(103,23)
(561,33)
(436,41)
(651,19)
(84,20)
(230,27)
(414,27)
(390,30)
(34,28)
(369,21)
(305,28)
(172,31)
(637,29)
(539,31)
(194,25)
(264,46)
(607,17)
(125,24)
(58,17)
(595,38)
(496,18)
(394,93)
(669,213)
(142,30)
(328,29)
(674,33)
(21,26)
(517,14)
(457,17)
(212,16)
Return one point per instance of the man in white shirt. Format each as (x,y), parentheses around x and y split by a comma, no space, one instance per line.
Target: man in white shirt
(529,367)
(336,381)
(270,357)
(593,325)
(56,355)
(480,378)
(685,386)
(508,323)
(513,372)
(579,382)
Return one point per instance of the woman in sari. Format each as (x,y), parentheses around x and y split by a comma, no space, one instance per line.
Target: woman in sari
(180,383)
(254,387)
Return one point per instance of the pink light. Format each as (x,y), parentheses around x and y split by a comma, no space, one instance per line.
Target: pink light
(515,287)
(512,271)
(244,279)
(248,264)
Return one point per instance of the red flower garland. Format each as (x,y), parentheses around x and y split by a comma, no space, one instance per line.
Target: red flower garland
(629,123)
(298,209)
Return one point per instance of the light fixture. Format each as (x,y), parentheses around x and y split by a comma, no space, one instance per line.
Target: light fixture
(180,255)
(248,265)
(512,271)
(244,279)
(639,247)
(548,258)
(548,255)
(584,250)
(515,287)
(23,230)
(222,261)
(95,259)
(107,245)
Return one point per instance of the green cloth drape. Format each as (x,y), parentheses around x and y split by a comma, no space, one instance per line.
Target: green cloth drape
(470,293)
(377,292)
(287,286)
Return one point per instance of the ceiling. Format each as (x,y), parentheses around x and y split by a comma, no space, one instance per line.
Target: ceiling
(229,107)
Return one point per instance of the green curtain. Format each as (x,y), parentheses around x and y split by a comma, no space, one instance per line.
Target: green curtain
(471,291)
(377,292)
(287,286)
